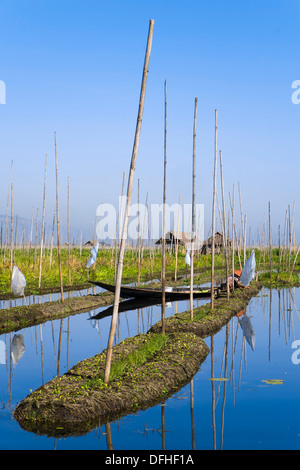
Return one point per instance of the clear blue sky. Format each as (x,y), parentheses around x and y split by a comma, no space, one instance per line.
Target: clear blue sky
(75,67)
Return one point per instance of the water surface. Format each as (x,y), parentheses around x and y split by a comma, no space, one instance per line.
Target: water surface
(240,411)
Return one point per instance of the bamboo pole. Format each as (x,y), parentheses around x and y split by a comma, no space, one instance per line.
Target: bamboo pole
(129,194)
(279,251)
(43,224)
(139,235)
(36,238)
(163,252)
(52,238)
(245,238)
(6,217)
(144,227)
(290,277)
(234,234)
(16,232)
(11,235)
(69,247)
(121,209)
(193,213)
(176,249)
(233,226)
(270,243)
(242,221)
(225,228)
(30,240)
(213,214)
(284,240)
(57,221)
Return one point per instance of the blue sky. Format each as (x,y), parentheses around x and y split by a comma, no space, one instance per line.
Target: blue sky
(75,68)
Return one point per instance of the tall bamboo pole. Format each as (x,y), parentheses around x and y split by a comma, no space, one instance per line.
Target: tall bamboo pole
(193,213)
(279,252)
(233,228)
(270,242)
(11,235)
(36,237)
(129,194)
(245,238)
(163,253)
(242,220)
(6,218)
(213,214)
(57,221)
(30,240)
(52,238)
(225,228)
(139,235)
(69,247)
(176,249)
(43,224)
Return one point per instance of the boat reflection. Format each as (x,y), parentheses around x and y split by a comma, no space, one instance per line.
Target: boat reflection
(126,306)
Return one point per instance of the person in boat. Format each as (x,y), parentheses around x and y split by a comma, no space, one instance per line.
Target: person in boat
(236,278)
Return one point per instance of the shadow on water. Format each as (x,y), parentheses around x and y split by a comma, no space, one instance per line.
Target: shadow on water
(244,396)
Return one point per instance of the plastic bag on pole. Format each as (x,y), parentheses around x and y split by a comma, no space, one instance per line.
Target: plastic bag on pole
(187,258)
(18,282)
(248,272)
(93,256)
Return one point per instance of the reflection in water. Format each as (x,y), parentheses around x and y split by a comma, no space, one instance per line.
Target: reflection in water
(52,297)
(214,393)
(247,328)
(17,349)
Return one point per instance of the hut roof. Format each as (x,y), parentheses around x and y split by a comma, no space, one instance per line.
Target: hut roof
(218,239)
(91,243)
(184,238)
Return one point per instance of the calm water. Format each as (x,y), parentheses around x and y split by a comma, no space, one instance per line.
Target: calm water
(241,412)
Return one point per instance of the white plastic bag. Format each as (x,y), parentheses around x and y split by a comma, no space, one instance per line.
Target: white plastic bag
(188,258)
(248,272)
(18,282)
(93,256)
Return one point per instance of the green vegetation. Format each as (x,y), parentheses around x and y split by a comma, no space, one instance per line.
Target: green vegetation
(79,400)
(150,267)
(103,269)
(276,279)
(127,364)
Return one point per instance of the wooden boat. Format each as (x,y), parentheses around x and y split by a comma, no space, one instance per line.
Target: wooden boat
(173,293)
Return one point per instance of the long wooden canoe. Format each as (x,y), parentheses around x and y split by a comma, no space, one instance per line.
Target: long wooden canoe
(177,293)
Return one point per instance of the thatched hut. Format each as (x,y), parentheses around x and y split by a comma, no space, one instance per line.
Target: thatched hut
(90,243)
(184,239)
(218,242)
